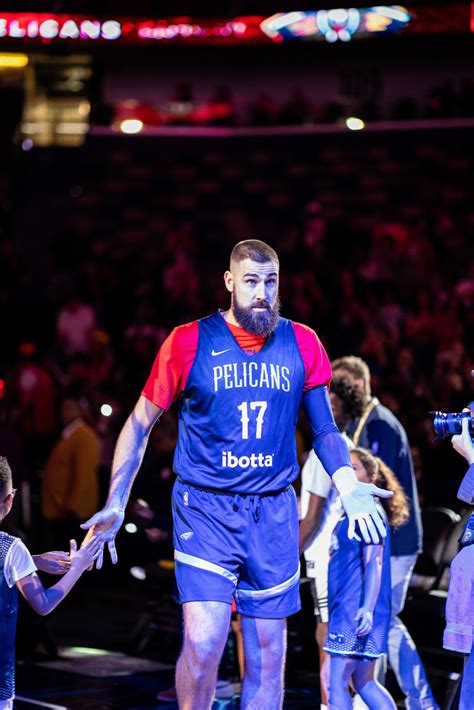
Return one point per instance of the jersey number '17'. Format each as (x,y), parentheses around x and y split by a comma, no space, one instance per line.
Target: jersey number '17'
(260,408)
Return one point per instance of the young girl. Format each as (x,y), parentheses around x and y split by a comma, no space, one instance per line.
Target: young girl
(18,570)
(359,597)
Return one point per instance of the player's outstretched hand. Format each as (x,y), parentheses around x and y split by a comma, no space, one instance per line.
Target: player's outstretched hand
(358,501)
(462,443)
(104,526)
(360,508)
(365,619)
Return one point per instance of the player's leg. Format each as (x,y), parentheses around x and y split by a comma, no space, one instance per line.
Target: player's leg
(206,627)
(265,652)
(370,690)
(340,671)
(206,557)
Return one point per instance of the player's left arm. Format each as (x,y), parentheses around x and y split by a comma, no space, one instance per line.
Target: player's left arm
(329,445)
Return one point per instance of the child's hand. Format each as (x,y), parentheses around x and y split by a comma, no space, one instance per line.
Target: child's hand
(54,562)
(86,555)
(365,617)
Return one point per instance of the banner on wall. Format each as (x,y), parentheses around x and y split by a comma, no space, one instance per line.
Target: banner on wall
(333,25)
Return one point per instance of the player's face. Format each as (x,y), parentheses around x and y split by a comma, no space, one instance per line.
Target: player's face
(359,469)
(254,288)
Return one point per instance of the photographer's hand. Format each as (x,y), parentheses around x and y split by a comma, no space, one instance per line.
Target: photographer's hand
(462,443)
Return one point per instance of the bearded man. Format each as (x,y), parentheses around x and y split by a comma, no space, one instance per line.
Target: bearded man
(240,375)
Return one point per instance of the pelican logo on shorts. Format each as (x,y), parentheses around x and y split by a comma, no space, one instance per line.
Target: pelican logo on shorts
(186,535)
(337,638)
(186,498)
(251,461)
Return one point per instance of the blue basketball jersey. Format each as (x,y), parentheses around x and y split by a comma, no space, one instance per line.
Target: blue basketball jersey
(238,411)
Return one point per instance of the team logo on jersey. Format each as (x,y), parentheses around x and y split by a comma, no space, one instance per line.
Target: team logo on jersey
(229,460)
(186,535)
(238,375)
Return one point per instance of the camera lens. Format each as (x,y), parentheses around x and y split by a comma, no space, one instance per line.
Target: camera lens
(449,423)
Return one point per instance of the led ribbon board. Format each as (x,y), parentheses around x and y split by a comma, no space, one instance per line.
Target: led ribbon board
(48,28)
(333,25)
(337,24)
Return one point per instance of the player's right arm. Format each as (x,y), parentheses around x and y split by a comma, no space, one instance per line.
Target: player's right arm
(166,381)
(129,452)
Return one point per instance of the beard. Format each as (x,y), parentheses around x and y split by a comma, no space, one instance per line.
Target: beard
(258,322)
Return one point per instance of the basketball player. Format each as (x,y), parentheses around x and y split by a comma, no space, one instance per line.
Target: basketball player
(241,376)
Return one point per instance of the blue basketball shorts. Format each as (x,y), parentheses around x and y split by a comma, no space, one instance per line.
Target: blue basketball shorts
(235,545)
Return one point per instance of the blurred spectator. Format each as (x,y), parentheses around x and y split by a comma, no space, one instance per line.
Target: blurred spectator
(70,487)
(75,324)
(101,360)
(31,398)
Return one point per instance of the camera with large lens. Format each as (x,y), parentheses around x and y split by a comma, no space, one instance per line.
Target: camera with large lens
(449,423)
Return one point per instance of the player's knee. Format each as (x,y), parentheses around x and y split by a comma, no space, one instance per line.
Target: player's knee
(202,655)
(268,660)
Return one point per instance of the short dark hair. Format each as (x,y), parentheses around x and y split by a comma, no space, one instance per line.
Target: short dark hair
(5,474)
(353,399)
(254,249)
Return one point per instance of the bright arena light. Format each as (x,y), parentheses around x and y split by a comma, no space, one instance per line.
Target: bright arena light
(13,61)
(131,528)
(355,124)
(27,144)
(138,573)
(106,410)
(131,125)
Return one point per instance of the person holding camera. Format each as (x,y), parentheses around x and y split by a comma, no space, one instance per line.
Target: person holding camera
(458,635)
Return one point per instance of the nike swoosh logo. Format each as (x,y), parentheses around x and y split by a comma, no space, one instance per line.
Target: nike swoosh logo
(220,352)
